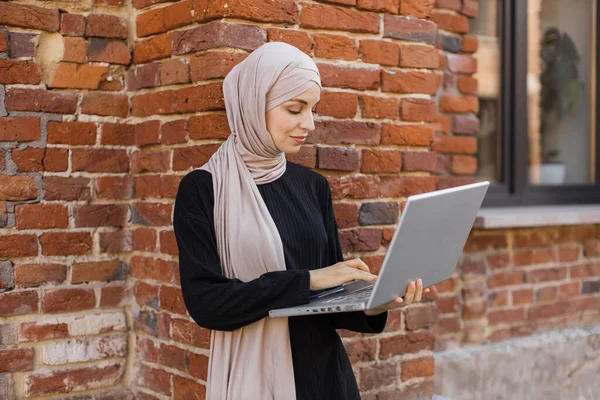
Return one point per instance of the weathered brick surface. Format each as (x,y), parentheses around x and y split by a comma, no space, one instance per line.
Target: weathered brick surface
(94,146)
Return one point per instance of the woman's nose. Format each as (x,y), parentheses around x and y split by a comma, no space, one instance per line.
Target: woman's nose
(308,123)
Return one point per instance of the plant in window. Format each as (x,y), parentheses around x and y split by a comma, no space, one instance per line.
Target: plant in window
(561,88)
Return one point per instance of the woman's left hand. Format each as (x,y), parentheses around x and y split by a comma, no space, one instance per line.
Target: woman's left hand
(414,293)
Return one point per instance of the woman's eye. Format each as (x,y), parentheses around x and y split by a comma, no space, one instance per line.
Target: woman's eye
(294,112)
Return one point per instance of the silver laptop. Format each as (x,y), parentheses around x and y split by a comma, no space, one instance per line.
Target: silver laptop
(427,244)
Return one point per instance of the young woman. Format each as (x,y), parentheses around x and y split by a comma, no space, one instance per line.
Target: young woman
(256,232)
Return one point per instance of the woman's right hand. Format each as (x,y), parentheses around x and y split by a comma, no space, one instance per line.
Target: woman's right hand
(340,273)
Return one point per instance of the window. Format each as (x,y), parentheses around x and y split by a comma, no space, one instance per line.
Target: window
(537,86)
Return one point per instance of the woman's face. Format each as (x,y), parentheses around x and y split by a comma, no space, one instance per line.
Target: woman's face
(289,123)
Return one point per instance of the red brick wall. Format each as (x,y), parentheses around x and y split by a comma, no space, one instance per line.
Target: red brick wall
(513,283)
(110,104)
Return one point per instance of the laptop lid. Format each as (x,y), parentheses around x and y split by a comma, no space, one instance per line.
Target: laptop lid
(429,240)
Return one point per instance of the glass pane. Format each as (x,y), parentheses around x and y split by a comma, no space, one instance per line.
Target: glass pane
(560,90)
(487,28)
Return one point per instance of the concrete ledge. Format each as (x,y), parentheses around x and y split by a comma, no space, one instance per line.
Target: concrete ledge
(557,365)
(523,217)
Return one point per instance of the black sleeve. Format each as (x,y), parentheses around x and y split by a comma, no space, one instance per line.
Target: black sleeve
(212,300)
(353,321)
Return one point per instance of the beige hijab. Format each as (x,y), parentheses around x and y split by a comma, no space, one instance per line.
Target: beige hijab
(254,362)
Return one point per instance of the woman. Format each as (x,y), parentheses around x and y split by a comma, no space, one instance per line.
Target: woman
(256,233)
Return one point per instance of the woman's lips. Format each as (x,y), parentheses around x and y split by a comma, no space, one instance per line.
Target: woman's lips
(299,139)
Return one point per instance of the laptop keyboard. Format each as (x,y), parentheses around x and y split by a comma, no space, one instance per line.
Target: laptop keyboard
(356,297)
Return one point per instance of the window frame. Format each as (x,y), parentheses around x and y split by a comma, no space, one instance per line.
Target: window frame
(513,188)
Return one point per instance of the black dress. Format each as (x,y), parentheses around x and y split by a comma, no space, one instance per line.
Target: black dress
(300,204)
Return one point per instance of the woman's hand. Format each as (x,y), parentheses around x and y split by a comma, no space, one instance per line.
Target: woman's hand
(340,273)
(414,293)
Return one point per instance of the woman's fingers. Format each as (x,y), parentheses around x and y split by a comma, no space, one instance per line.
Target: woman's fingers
(410,293)
(358,264)
(419,290)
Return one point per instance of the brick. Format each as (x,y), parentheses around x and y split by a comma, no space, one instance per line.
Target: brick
(29,159)
(455,144)
(410,342)
(417,109)
(67,300)
(306,156)
(164,19)
(154,48)
(72,133)
(76,76)
(449,42)
(21,129)
(152,268)
(408,135)
(337,47)
(417,8)
(41,216)
(447,304)
(464,165)
(384,6)
(301,40)
(379,52)
(150,161)
(584,271)
(176,131)
(407,186)
(284,11)
(17,188)
(187,389)
(30,275)
(338,104)
(104,271)
(154,214)
(3,40)
(546,294)
(213,64)
(116,242)
(100,160)
(447,324)
(187,332)
(144,239)
(173,357)
(545,274)
(405,28)
(467,84)
(381,161)
(348,77)
(84,349)
(74,49)
(455,5)
(377,375)
(590,287)
(442,123)
(569,253)
(35,332)
(378,213)
(199,98)
(450,22)
(470,8)
(462,63)
(146,294)
(117,134)
(171,300)
(110,51)
(105,104)
(38,100)
(341,159)
(505,279)
(420,318)
(218,34)
(19,71)
(174,71)
(7,282)
(416,368)
(67,380)
(543,311)
(108,3)
(409,82)
(147,133)
(376,107)
(29,16)
(96,215)
(418,56)
(68,189)
(418,161)
(346,215)
(459,104)
(18,303)
(22,44)
(104,25)
(361,239)
(319,16)
(66,243)
(72,24)
(357,187)
(192,156)
(467,124)
(16,360)
(470,44)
